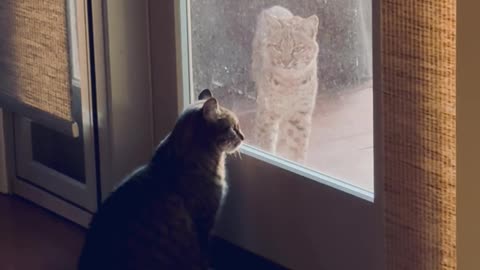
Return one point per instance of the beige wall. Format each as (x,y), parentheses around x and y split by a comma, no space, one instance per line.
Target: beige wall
(468,135)
(3,167)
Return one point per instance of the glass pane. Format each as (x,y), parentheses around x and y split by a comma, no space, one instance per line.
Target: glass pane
(298,74)
(55,150)
(60,152)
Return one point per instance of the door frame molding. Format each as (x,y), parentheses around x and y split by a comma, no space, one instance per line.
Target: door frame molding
(123,88)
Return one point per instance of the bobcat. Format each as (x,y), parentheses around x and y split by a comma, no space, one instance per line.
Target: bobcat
(284,70)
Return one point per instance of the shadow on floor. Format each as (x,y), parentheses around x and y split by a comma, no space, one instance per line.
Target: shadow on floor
(34,238)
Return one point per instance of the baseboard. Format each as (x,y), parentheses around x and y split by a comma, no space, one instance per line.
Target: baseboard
(52,203)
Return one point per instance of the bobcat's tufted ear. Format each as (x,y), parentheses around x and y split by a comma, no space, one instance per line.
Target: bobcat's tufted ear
(210,109)
(273,23)
(205,94)
(310,24)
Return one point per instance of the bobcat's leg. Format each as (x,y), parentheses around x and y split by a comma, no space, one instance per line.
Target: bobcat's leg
(266,129)
(295,134)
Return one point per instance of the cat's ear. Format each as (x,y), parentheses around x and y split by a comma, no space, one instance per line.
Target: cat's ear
(272,22)
(210,109)
(311,25)
(205,94)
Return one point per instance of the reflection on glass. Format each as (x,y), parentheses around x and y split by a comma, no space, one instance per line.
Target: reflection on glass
(59,152)
(298,74)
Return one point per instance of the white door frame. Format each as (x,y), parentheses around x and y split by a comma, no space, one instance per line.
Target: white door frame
(123,88)
(122,103)
(297,223)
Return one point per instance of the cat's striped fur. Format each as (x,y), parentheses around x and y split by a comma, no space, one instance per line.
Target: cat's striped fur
(161,216)
(284,69)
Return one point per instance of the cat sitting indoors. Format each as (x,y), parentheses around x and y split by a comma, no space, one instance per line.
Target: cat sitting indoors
(161,216)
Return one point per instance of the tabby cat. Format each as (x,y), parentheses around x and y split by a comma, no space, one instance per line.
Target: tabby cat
(161,216)
(284,69)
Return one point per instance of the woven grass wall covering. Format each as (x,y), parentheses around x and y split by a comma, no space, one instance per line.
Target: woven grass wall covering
(34,63)
(418,77)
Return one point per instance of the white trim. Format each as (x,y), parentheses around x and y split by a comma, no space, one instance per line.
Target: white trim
(53,203)
(73,40)
(308,173)
(124,97)
(184,55)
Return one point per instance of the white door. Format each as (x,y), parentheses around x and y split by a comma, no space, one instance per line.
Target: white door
(50,160)
(314,208)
